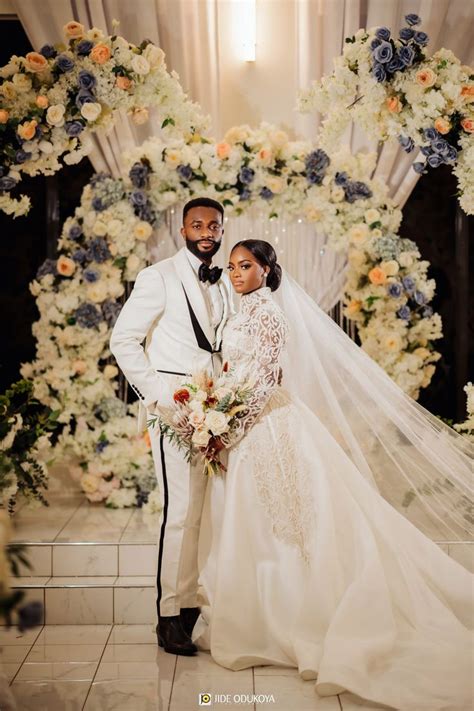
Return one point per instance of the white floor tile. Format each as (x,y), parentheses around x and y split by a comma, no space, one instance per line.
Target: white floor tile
(68,606)
(138,559)
(133,634)
(40,559)
(50,696)
(14,653)
(30,581)
(65,652)
(86,559)
(74,634)
(129,695)
(134,605)
(57,671)
(10,669)
(11,635)
(95,524)
(132,653)
(142,528)
(141,581)
(31,594)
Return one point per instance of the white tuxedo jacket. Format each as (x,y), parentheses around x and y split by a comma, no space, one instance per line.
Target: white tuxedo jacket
(167,309)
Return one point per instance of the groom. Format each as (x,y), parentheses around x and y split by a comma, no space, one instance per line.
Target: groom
(180,306)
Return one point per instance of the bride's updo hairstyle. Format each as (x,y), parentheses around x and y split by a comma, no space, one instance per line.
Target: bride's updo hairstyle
(266,257)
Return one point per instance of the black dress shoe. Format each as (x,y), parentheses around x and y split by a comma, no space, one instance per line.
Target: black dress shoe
(189,616)
(172,637)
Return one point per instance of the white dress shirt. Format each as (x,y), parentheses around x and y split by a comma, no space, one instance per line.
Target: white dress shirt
(212,293)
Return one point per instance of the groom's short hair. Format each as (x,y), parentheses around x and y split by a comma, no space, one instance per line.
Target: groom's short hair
(202,202)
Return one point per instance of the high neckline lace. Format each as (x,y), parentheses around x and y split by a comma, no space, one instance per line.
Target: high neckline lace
(255,297)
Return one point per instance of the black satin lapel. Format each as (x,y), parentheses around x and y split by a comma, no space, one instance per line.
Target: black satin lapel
(201,337)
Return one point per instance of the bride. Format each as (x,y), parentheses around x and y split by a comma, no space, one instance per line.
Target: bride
(312,565)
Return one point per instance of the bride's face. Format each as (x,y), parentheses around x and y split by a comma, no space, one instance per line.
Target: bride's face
(246,273)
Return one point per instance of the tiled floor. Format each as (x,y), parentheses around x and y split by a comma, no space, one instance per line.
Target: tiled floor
(120,668)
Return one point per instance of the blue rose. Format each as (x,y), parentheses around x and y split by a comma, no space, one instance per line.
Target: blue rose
(79,256)
(341,178)
(406,143)
(185,172)
(379,73)
(419,167)
(98,250)
(84,97)
(440,145)
(146,213)
(75,231)
(7,183)
(22,156)
(73,128)
(245,194)
(266,193)
(86,80)
(406,33)
(395,64)
(64,63)
(48,267)
(407,55)
(138,174)
(435,160)
(394,289)
(427,312)
(421,38)
(91,275)
(375,43)
(98,205)
(356,190)
(412,19)
(404,312)
(383,33)
(451,154)
(420,298)
(431,133)
(110,311)
(138,198)
(84,47)
(88,315)
(426,150)
(317,161)
(48,51)
(409,284)
(246,175)
(100,446)
(383,53)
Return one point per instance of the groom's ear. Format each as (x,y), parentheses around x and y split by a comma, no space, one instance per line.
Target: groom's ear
(183,233)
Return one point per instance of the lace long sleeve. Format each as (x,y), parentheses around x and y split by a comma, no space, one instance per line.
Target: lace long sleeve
(268,330)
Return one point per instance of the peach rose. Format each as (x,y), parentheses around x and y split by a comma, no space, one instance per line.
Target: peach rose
(4,115)
(42,102)
(377,276)
(100,54)
(73,30)
(468,125)
(265,156)
(65,266)
(79,367)
(468,93)
(354,307)
(35,62)
(426,77)
(27,129)
(442,125)
(110,371)
(394,105)
(223,150)
(393,343)
(123,82)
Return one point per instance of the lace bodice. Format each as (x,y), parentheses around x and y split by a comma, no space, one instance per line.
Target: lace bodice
(253,341)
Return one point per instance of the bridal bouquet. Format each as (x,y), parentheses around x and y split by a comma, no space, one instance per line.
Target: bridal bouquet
(203,416)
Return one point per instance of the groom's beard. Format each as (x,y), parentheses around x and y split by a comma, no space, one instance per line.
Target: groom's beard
(208,255)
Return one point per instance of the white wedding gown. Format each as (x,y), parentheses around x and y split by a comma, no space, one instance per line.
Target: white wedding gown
(311,568)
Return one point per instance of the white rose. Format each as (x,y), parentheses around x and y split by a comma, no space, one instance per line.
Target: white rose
(390,268)
(196,419)
(142,230)
(359,233)
(99,228)
(55,115)
(201,438)
(200,396)
(337,194)
(216,422)
(97,292)
(45,146)
(22,82)
(114,227)
(195,406)
(90,483)
(91,111)
(140,65)
(110,371)
(405,259)
(275,184)
(371,216)
(133,262)
(154,55)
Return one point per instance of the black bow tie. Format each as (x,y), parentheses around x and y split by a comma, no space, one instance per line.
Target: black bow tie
(208,274)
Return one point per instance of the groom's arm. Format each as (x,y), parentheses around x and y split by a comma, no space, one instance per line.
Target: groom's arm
(144,306)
